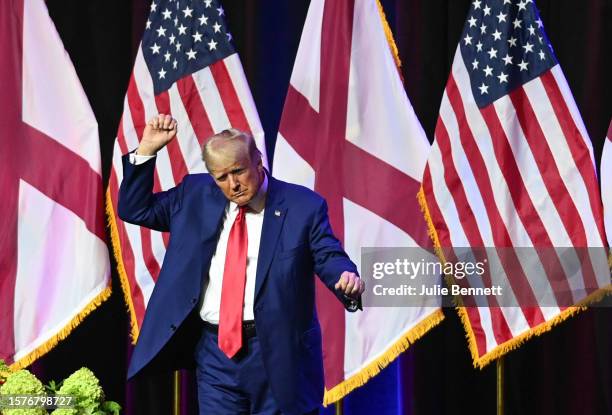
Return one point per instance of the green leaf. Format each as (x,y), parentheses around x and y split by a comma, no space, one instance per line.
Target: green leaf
(111,407)
(51,387)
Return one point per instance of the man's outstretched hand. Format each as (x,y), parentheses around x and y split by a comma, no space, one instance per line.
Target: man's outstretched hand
(350,284)
(158,132)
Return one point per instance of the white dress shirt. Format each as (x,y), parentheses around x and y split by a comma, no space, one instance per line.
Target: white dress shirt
(211,291)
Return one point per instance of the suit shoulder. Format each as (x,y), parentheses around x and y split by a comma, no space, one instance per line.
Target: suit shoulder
(301,194)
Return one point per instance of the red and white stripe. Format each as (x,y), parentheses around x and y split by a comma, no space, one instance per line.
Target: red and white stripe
(517,173)
(606,183)
(204,103)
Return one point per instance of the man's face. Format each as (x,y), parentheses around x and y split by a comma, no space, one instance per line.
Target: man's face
(237,176)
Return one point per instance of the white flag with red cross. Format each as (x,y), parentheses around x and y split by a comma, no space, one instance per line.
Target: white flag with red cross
(349,132)
(54,264)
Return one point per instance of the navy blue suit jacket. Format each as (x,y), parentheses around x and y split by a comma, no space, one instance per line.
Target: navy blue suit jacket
(296,242)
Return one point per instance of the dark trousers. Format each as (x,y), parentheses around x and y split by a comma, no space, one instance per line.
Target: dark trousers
(232,386)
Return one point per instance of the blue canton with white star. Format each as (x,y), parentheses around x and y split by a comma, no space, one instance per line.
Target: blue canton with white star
(183,36)
(503,46)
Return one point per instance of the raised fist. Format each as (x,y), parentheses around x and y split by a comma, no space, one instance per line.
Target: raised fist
(158,132)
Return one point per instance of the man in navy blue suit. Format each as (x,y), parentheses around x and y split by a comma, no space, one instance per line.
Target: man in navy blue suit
(236,289)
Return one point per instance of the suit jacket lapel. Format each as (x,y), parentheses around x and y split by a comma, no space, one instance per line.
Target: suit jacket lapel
(274,217)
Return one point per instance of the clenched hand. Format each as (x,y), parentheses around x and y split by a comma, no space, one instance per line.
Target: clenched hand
(158,132)
(350,284)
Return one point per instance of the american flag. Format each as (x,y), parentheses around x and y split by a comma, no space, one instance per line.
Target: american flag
(186,66)
(606,183)
(512,166)
(54,262)
(349,132)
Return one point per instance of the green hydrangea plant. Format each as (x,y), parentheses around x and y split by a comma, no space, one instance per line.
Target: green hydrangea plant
(86,389)
(83,385)
(22,382)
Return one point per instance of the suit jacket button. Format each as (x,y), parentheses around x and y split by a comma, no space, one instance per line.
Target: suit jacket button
(172,327)
(194,300)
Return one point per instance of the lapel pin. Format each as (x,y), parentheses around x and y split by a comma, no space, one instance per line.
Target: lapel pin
(277,213)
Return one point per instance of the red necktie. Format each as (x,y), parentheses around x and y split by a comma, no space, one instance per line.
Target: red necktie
(232,291)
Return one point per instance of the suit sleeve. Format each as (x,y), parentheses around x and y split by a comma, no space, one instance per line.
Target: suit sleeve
(138,204)
(330,259)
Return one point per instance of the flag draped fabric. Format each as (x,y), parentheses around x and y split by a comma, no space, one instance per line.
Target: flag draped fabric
(606,183)
(349,132)
(186,66)
(54,265)
(512,166)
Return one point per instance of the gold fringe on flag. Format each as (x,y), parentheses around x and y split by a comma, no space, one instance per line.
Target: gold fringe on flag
(41,350)
(390,39)
(372,369)
(125,284)
(502,349)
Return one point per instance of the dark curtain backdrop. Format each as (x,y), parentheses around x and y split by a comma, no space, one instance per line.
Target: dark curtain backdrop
(566,371)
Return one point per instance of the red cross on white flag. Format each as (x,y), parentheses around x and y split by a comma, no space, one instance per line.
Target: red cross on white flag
(349,132)
(54,266)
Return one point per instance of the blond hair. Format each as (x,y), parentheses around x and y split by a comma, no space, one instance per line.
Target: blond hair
(237,141)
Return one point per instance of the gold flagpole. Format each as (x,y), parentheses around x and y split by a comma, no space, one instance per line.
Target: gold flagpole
(339,410)
(176,392)
(500,386)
